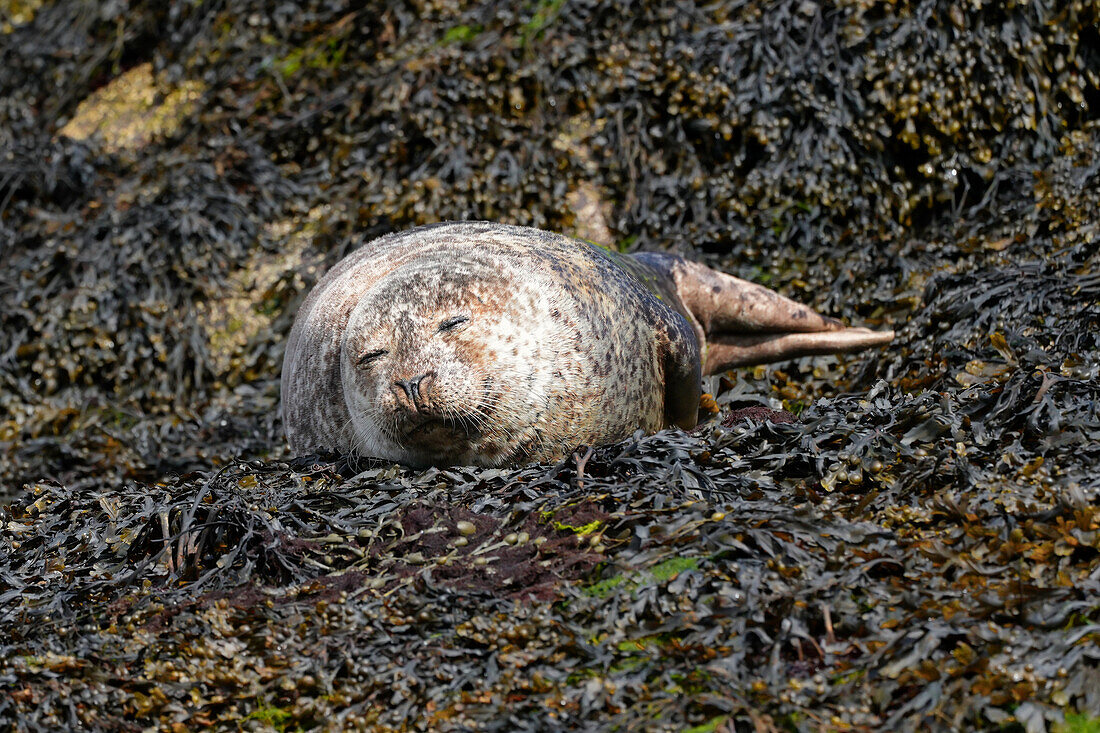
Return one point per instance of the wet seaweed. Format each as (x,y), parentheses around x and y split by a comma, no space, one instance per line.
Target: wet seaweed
(900,540)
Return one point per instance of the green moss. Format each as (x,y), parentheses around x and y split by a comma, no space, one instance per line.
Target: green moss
(627,242)
(579,530)
(1079,723)
(854,674)
(764,277)
(796,406)
(791,721)
(697,682)
(277,718)
(627,665)
(582,530)
(323,55)
(291,63)
(579,675)
(545,12)
(462,33)
(709,726)
(646,642)
(673,566)
(604,588)
(659,573)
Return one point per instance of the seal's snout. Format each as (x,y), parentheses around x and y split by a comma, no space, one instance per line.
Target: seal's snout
(412,393)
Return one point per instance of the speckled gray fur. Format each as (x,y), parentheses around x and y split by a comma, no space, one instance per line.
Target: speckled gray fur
(487,344)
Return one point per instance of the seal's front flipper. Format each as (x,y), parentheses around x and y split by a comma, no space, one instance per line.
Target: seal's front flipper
(740,323)
(682,362)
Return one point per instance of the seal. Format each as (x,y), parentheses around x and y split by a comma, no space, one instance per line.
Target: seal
(488,344)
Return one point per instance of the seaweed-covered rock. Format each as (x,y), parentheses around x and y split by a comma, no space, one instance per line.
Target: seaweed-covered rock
(898,540)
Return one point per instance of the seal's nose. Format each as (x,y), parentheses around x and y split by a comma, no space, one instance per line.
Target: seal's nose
(412,389)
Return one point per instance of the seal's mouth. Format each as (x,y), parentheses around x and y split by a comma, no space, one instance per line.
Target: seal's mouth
(433,429)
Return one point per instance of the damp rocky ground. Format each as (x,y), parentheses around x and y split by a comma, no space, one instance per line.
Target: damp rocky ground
(905,539)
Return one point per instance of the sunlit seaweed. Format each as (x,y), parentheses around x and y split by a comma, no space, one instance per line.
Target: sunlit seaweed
(919,549)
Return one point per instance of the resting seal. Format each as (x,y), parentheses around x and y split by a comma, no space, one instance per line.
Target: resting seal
(487,344)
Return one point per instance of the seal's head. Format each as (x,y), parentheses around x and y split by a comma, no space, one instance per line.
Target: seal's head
(438,366)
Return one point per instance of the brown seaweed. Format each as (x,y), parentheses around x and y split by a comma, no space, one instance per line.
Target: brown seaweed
(903,540)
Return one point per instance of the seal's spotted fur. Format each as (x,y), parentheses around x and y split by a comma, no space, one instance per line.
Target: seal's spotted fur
(488,344)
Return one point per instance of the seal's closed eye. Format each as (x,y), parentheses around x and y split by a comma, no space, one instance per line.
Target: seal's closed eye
(370,356)
(452,322)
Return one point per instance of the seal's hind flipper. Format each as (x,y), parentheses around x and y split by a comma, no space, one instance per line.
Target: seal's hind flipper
(725,351)
(740,323)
